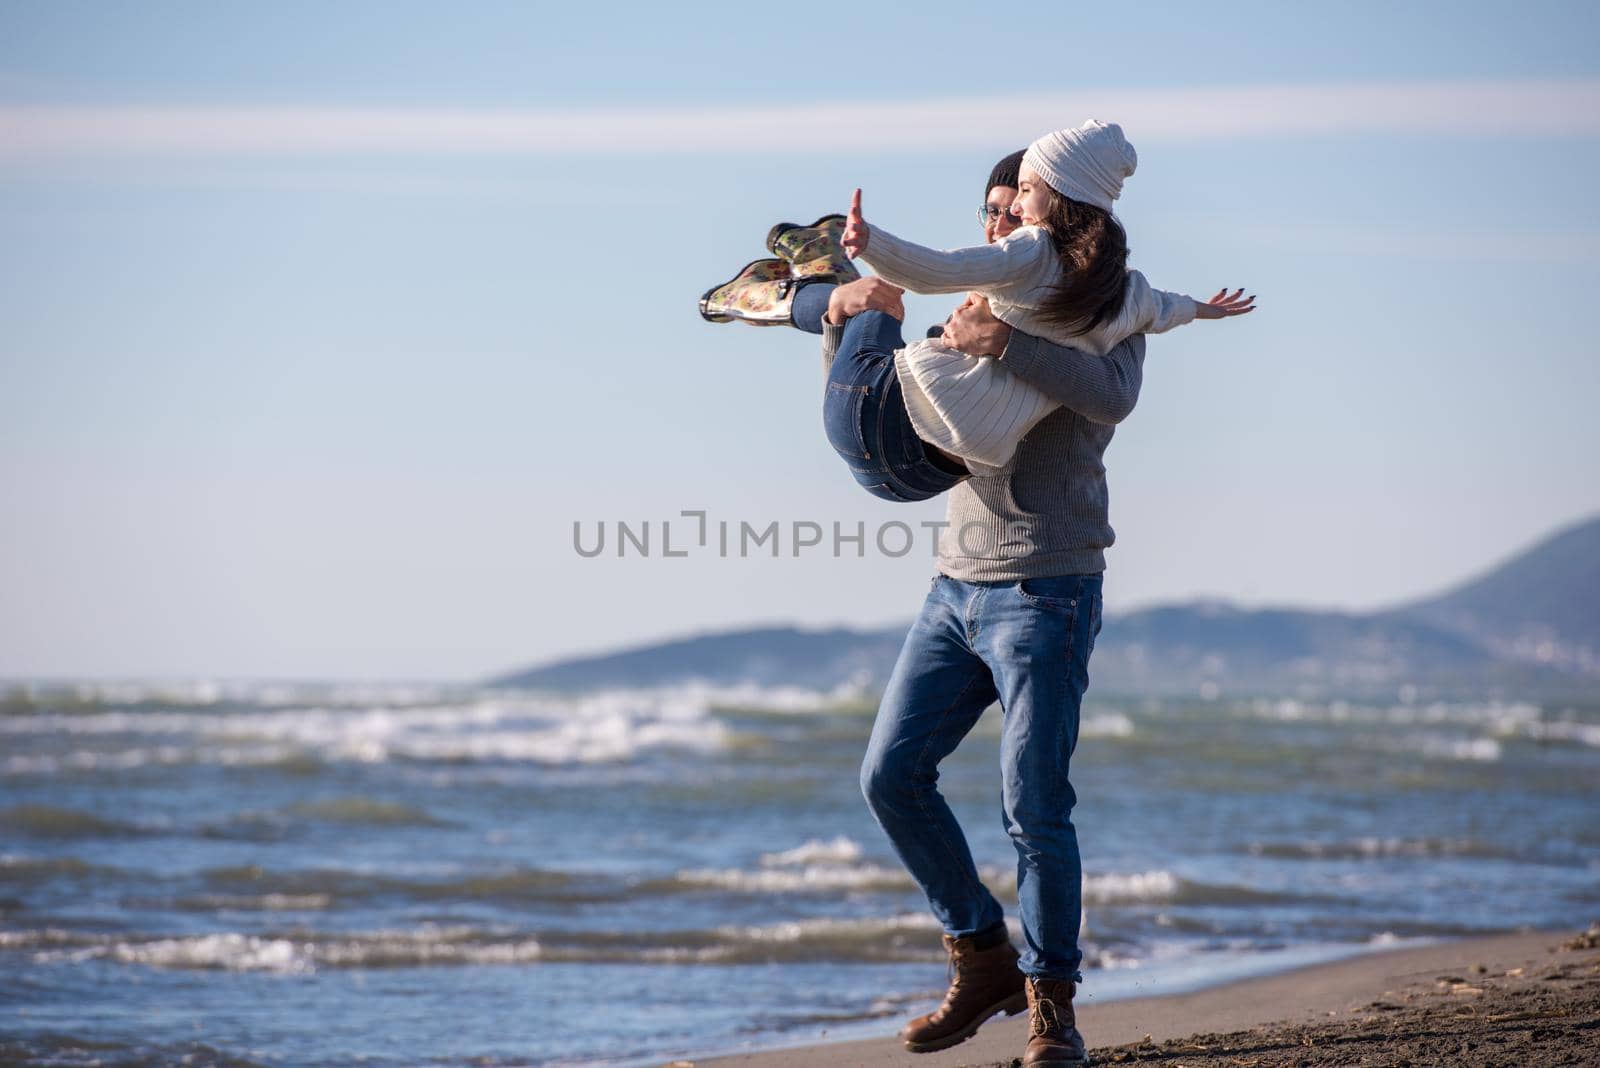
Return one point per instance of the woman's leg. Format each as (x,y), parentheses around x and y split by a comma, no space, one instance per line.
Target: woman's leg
(810,305)
(864,414)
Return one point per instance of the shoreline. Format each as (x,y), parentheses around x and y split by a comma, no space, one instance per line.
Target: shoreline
(1405,993)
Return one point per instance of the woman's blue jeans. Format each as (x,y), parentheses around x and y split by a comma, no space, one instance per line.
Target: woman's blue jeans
(863,410)
(1027,645)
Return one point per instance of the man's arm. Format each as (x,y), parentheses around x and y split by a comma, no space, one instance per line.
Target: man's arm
(1103,389)
(1100,388)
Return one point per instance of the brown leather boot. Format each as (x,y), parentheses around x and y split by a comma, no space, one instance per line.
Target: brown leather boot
(1053,1039)
(983,982)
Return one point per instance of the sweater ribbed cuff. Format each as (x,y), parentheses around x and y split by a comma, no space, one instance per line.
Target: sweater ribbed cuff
(832,337)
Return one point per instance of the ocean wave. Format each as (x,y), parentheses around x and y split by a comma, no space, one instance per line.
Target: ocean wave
(840,850)
(88,696)
(254,903)
(1500,721)
(365,811)
(808,879)
(1446,747)
(597,728)
(909,937)
(1117,889)
(1106,725)
(54,1048)
(897,938)
(1587,734)
(52,821)
(1372,848)
(27,871)
(341,886)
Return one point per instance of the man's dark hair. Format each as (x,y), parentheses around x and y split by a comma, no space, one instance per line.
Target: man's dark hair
(1007,172)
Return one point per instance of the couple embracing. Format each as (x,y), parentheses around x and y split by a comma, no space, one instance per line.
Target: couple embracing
(1008,408)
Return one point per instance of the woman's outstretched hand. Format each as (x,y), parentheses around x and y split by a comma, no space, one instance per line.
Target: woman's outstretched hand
(1222,305)
(856,231)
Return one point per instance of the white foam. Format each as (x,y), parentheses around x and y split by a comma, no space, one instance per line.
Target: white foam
(1565,731)
(234,951)
(599,728)
(840,850)
(801,930)
(1138,886)
(798,880)
(1480,749)
(1374,847)
(1106,725)
(231,951)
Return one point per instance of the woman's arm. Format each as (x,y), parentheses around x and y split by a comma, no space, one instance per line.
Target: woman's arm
(1021,261)
(1155,311)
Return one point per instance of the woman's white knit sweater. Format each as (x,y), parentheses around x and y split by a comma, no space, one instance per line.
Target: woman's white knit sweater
(969,405)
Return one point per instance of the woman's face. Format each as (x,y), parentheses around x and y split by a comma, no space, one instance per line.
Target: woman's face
(1033,198)
(999,224)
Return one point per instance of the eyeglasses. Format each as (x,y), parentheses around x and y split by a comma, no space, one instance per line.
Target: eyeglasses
(989,213)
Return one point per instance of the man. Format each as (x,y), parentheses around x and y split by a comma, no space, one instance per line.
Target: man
(1011,615)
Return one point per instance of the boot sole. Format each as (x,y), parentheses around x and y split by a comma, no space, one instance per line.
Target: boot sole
(783,228)
(1011,1006)
(717,317)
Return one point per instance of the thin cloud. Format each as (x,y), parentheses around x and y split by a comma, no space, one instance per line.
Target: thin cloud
(1394,243)
(1518,108)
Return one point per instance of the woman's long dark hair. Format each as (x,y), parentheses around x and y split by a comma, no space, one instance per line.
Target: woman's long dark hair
(1093,249)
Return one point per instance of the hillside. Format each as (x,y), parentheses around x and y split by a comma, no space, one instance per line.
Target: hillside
(1528,625)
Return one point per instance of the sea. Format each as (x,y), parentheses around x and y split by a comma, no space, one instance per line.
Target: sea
(228,873)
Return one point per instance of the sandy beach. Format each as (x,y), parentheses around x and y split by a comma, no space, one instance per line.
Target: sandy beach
(1520,999)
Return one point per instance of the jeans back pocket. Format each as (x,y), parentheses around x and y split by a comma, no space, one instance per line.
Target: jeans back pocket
(841,419)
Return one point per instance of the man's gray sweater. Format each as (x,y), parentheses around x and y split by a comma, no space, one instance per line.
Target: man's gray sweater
(1045,512)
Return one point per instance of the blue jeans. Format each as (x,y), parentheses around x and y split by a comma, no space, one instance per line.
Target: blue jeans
(863,410)
(1027,645)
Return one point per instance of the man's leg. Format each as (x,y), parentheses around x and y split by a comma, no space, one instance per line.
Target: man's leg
(935,695)
(1038,635)
(1037,639)
(938,690)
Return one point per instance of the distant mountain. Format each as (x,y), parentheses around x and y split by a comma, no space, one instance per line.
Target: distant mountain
(1530,625)
(767,656)
(1542,606)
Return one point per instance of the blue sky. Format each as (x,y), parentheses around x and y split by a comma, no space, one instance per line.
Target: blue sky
(320,325)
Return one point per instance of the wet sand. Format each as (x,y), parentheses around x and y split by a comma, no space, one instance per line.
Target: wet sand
(1530,999)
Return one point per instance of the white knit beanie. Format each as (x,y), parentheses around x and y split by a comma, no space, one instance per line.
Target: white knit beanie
(1086,164)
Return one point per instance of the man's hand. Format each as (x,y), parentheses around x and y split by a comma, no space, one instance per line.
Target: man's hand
(865,294)
(856,230)
(974,330)
(1222,306)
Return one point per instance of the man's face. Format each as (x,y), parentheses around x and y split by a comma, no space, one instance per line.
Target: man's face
(1033,198)
(1000,222)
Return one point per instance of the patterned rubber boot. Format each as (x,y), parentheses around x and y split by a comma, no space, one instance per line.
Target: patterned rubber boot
(762,294)
(814,252)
